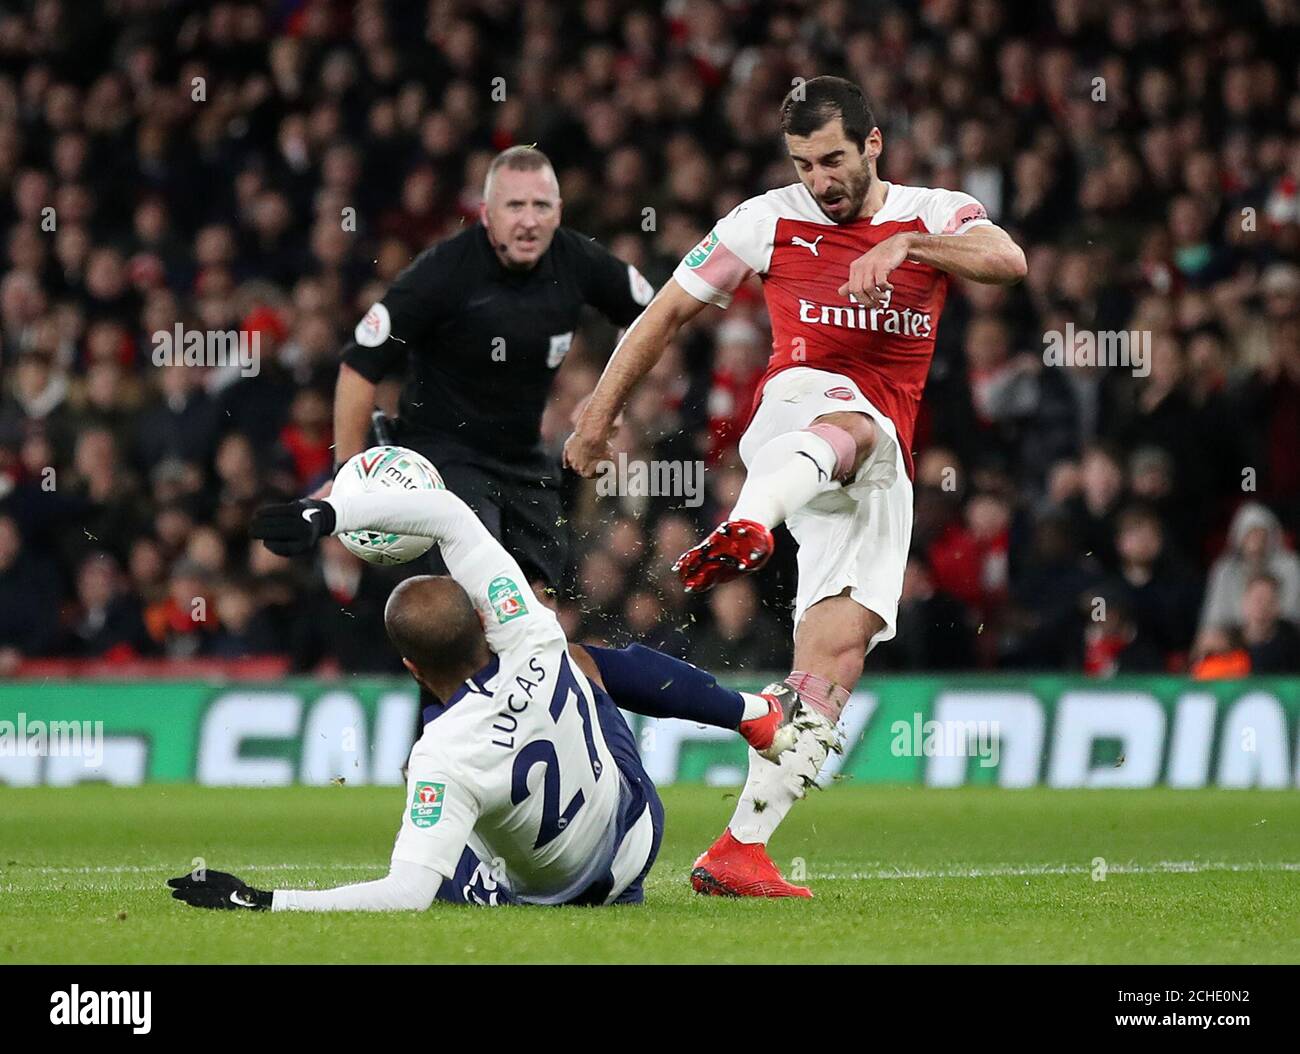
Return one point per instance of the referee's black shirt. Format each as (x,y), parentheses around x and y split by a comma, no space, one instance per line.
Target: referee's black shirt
(482,343)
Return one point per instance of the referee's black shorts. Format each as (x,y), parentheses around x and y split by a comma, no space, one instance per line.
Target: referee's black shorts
(518,501)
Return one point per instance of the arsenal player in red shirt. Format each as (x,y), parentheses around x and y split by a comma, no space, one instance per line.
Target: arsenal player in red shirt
(855,271)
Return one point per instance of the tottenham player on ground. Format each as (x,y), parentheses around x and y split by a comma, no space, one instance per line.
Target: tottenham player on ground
(854,272)
(526,786)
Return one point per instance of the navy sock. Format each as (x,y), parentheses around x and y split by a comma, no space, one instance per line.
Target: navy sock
(649,682)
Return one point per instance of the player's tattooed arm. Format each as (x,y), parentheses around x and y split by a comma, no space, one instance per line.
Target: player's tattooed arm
(638,351)
(983,254)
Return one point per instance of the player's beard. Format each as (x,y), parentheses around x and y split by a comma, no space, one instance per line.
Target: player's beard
(856,189)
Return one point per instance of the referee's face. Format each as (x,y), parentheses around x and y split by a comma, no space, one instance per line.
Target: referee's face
(521,214)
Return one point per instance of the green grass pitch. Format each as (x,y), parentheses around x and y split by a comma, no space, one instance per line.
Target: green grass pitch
(901,875)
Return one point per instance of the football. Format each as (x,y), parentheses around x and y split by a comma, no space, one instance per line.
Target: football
(392,467)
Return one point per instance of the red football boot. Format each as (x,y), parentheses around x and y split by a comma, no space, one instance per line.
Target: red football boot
(734,547)
(775,732)
(736,869)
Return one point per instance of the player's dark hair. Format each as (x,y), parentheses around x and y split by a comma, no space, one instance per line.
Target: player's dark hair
(814,103)
(432,622)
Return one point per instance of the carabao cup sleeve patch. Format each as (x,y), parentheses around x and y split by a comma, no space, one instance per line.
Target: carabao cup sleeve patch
(375,328)
(506,598)
(426,802)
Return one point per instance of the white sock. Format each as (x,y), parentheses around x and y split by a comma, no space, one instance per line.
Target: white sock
(788,471)
(755,706)
(772,788)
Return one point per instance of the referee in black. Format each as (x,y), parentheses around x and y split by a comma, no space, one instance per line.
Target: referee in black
(481,323)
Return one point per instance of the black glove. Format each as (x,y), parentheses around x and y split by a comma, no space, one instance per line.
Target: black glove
(220,891)
(295,528)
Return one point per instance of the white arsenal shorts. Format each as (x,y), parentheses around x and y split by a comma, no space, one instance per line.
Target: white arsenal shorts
(857,536)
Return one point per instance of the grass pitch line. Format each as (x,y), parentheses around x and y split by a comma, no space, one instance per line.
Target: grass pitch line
(1163,867)
(149,869)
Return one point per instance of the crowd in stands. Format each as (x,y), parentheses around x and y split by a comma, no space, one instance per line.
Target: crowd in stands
(270,168)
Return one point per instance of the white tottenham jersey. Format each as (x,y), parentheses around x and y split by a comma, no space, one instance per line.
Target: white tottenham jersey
(516,767)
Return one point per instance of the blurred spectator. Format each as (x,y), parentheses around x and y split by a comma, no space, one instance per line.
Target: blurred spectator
(1220,655)
(1093,509)
(106,620)
(1027,411)
(339,624)
(179,622)
(37,401)
(111,509)
(739,358)
(182,422)
(647,622)
(308,437)
(29,612)
(243,630)
(1273,644)
(741,637)
(147,570)
(1271,406)
(1159,594)
(601,584)
(1158,413)
(1113,644)
(1049,588)
(1151,483)
(1255,546)
(969,560)
(933,633)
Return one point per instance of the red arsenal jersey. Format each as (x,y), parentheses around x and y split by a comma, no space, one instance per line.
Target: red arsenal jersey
(803,258)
